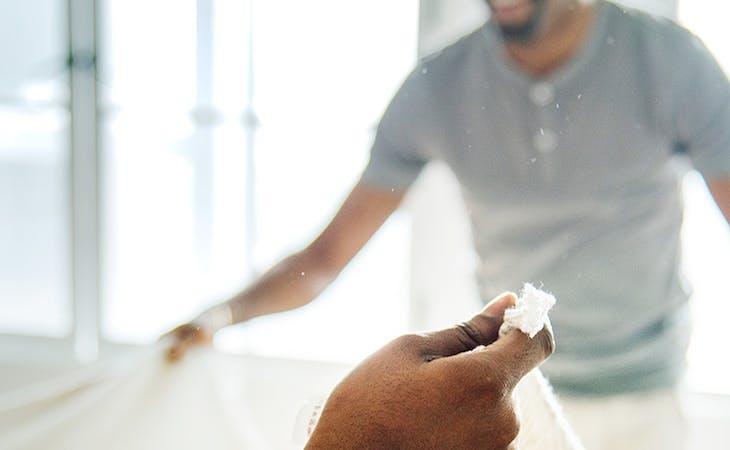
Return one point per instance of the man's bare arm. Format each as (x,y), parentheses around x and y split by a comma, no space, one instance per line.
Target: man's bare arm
(300,277)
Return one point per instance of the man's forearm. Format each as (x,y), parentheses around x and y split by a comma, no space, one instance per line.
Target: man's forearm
(293,282)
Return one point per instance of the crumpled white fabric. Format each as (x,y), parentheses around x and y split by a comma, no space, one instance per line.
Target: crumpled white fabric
(530,312)
(147,403)
(542,423)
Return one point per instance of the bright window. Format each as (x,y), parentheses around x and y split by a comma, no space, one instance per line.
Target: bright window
(34,204)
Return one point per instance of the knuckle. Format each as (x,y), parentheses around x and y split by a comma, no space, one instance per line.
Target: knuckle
(505,426)
(547,342)
(469,334)
(510,426)
(492,394)
(409,342)
(491,386)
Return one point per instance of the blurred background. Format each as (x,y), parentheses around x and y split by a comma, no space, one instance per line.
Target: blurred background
(156,155)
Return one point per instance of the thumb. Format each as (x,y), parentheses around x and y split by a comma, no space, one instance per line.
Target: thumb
(481,329)
(516,354)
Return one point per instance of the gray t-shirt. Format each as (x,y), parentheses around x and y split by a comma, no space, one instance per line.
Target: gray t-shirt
(571,181)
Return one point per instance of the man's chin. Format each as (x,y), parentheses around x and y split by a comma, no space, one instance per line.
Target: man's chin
(522,33)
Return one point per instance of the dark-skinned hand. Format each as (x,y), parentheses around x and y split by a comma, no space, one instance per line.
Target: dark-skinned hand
(449,389)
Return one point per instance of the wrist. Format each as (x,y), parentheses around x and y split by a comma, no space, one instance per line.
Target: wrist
(216,318)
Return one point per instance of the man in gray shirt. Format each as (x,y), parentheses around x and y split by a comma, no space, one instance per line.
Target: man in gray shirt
(570,179)
(563,121)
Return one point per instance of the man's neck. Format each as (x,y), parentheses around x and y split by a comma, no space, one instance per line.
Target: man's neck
(566,27)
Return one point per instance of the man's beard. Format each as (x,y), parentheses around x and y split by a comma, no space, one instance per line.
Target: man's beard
(524,32)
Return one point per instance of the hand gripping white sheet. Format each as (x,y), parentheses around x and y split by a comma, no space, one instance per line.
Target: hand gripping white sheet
(542,423)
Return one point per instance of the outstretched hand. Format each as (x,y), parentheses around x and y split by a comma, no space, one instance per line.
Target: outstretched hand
(445,389)
(182,338)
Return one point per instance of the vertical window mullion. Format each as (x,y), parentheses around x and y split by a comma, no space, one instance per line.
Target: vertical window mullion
(84,174)
(205,119)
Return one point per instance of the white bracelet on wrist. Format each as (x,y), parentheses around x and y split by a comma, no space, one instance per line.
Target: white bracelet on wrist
(220,316)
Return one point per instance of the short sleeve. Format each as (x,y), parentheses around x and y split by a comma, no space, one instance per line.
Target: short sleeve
(396,157)
(702,114)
